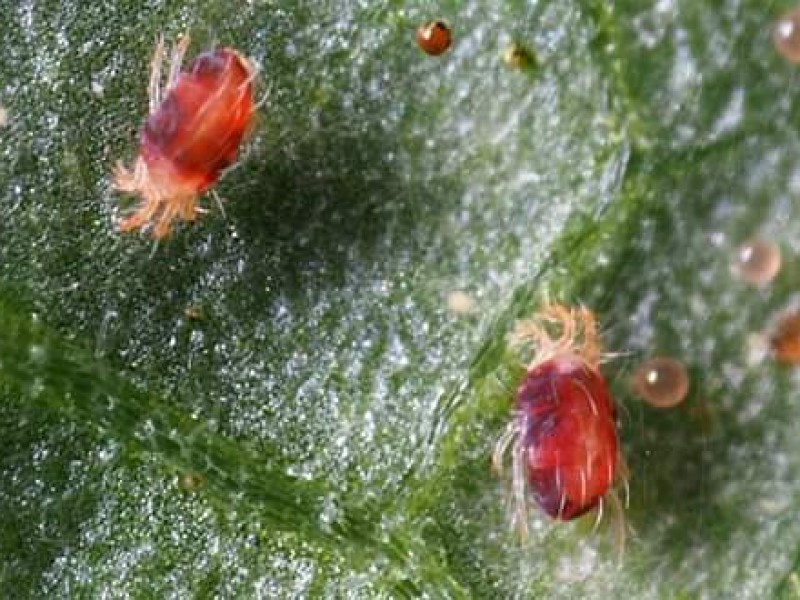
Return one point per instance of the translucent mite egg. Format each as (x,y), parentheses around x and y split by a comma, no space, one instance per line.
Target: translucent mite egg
(460,303)
(196,124)
(191,481)
(786,35)
(661,382)
(565,452)
(193,313)
(757,261)
(434,37)
(784,337)
(518,56)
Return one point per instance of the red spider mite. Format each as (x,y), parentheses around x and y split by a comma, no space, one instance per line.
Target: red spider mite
(565,452)
(196,124)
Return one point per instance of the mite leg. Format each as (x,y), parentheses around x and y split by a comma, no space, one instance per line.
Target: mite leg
(252,71)
(500,448)
(126,180)
(619,522)
(518,489)
(599,518)
(264,97)
(565,319)
(218,200)
(591,339)
(176,60)
(531,332)
(154,89)
(143,215)
(624,474)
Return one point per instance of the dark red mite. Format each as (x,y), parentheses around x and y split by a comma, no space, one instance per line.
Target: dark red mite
(196,124)
(563,437)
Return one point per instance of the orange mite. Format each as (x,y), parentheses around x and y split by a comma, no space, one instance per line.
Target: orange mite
(196,124)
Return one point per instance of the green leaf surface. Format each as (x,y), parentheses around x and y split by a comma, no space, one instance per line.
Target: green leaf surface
(277,401)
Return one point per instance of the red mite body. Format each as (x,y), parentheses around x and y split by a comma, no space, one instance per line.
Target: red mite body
(197,130)
(568,436)
(563,436)
(190,137)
